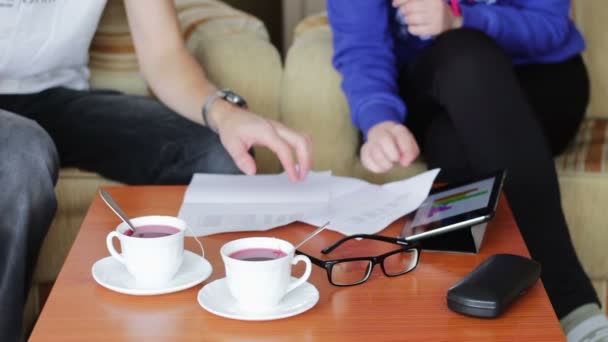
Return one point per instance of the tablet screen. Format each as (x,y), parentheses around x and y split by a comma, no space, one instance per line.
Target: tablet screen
(455,206)
(454,202)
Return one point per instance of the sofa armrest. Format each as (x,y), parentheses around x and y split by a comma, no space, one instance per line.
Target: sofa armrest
(312,100)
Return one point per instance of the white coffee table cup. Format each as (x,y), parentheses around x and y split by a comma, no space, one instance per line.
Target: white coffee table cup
(151,261)
(260,285)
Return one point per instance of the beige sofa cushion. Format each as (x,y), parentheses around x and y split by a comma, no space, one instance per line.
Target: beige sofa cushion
(583,176)
(113,61)
(587,154)
(590,16)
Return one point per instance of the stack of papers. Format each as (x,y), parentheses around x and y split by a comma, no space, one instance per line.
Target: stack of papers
(230,203)
(227,203)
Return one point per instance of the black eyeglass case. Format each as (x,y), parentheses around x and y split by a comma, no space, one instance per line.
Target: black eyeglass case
(493,285)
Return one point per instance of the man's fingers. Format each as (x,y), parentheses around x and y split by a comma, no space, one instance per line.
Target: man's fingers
(277,145)
(301,144)
(243,160)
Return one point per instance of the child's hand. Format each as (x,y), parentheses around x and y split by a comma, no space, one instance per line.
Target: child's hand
(388,143)
(427,17)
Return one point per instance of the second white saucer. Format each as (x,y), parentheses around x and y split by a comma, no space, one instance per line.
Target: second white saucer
(111,274)
(215,297)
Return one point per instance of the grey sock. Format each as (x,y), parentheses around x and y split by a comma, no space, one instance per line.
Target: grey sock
(587,323)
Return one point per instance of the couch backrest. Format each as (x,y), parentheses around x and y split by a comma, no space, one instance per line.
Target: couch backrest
(113,62)
(590,16)
(114,65)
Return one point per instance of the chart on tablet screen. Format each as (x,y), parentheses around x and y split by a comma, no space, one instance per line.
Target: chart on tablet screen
(454,202)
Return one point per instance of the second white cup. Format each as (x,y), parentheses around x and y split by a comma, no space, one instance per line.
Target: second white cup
(258,271)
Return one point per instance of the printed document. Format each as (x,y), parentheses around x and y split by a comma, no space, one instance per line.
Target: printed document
(230,203)
(357,207)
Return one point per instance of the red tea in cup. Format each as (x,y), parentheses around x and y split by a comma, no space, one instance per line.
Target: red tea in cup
(258,254)
(152,231)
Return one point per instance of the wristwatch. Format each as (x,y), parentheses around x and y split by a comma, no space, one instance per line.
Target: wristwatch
(225,94)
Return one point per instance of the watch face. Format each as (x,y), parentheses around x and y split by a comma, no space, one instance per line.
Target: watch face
(233,97)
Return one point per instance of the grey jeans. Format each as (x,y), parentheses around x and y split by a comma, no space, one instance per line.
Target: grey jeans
(131,139)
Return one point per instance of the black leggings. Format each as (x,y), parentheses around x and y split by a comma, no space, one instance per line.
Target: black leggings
(473,112)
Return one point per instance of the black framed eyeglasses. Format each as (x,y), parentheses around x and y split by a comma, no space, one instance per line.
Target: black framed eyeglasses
(355,271)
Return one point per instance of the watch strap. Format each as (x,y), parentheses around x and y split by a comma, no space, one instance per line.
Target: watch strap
(207,107)
(225,94)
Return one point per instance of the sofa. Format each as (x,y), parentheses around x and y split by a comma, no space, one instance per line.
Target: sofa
(234,49)
(311,101)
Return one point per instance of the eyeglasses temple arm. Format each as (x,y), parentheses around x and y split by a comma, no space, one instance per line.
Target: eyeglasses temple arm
(338,243)
(314,260)
(363,236)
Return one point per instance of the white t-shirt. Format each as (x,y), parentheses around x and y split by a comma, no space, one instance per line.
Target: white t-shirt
(45,43)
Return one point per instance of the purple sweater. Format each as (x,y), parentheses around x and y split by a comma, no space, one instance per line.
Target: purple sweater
(370,47)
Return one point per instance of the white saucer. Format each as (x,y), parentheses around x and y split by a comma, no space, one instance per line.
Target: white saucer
(215,297)
(111,274)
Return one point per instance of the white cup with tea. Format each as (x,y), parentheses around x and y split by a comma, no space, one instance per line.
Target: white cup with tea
(258,271)
(154,253)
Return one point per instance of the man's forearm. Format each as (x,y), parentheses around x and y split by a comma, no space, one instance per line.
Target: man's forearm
(179,82)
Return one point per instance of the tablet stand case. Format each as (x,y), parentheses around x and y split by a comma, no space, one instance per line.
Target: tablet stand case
(493,285)
(464,240)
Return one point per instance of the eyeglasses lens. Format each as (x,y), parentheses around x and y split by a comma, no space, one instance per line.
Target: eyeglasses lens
(400,263)
(350,272)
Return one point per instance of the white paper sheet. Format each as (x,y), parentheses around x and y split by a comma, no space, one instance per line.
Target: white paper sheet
(217,203)
(230,203)
(211,188)
(369,208)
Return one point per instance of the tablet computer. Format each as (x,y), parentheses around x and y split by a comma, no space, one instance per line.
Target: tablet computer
(455,206)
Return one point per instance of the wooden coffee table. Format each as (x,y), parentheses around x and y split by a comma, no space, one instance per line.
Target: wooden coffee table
(409,307)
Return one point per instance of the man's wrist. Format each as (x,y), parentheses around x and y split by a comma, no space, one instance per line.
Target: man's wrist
(218,105)
(221,109)
(208,109)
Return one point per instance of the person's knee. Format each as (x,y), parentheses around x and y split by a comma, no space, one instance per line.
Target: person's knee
(468,52)
(29,169)
(199,155)
(467,43)
(28,152)
(219,161)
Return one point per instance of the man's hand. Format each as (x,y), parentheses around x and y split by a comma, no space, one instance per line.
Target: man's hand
(388,143)
(427,17)
(180,83)
(240,129)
